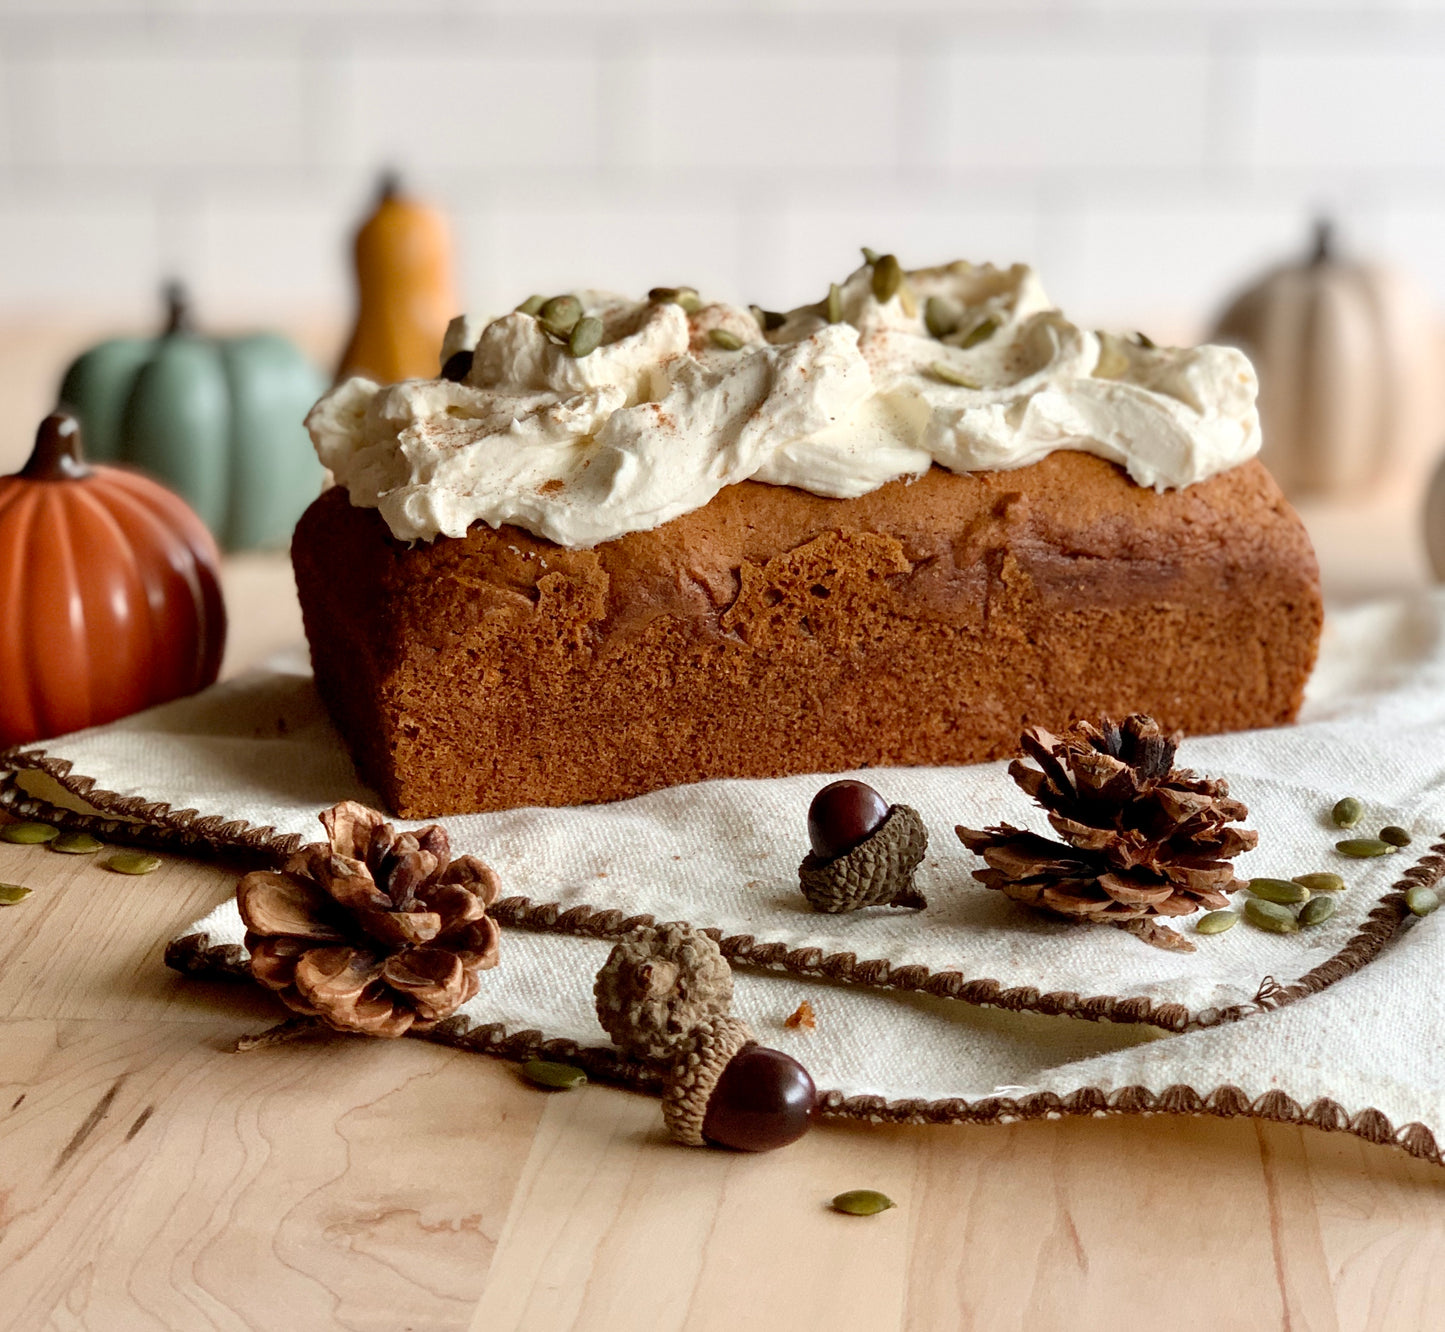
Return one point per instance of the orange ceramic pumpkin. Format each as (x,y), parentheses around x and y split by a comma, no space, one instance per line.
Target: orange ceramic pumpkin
(109,598)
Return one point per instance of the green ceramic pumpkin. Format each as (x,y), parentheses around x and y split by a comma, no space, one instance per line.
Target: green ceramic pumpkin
(219,420)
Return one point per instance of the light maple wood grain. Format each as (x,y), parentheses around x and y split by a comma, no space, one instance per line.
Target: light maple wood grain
(151,1179)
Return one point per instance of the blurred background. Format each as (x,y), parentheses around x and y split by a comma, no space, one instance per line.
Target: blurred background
(1150,159)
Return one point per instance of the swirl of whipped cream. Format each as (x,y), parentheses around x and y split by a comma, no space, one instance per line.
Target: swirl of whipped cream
(660,417)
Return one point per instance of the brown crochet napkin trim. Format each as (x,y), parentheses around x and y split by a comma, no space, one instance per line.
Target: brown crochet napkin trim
(193,956)
(186,830)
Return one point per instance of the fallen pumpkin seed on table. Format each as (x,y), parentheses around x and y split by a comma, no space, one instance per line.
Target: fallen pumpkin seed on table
(1421,900)
(1317,910)
(553,1075)
(10,893)
(862,1202)
(1270,916)
(1321,883)
(133,862)
(1216,922)
(76,844)
(29,833)
(1287,892)
(1363,848)
(1347,812)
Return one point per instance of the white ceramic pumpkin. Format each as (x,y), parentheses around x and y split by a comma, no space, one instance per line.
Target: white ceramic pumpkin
(1348,356)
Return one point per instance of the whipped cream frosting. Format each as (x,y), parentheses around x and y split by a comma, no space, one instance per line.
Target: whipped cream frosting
(660,417)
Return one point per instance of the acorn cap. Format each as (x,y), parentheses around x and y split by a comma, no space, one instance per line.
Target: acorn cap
(694,1076)
(877,872)
(657,985)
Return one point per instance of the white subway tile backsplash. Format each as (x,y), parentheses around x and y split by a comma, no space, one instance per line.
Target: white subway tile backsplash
(1364,110)
(761,113)
(626,246)
(166,111)
(1065,106)
(82,252)
(470,114)
(1147,154)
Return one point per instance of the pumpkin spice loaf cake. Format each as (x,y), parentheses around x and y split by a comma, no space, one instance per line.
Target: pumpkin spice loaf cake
(687,541)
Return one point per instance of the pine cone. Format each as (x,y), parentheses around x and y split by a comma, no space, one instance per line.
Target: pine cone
(1141,837)
(372,931)
(657,985)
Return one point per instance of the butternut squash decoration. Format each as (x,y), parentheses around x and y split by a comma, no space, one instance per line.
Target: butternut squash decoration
(1349,371)
(405,296)
(109,599)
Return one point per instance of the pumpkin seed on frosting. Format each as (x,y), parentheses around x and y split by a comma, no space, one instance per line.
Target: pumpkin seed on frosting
(942,370)
(686,297)
(870,255)
(980,332)
(941,316)
(887,278)
(559,316)
(586,336)
(725,339)
(1113,362)
(834,305)
(531,306)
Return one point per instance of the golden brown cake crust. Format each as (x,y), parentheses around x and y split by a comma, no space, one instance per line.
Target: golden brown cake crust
(775,632)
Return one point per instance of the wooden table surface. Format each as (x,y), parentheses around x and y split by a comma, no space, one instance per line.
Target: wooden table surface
(151,1179)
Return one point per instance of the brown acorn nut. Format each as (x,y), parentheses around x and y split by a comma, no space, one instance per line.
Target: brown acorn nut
(657,985)
(726,1090)
(864,851)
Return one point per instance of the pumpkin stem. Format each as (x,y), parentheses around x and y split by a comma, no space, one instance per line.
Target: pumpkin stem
(57,455)
(388,185)
(1324,250)
(178,309)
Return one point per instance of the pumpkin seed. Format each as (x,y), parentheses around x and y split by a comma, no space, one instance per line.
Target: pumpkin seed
(1321,883)
(76,844)
(887,278)
(907,301)
(133,862)
(1113,362)
(949,375)
(1284,891)
(552,1075)
(1362,848)
(1422,900)
(29,833)
(1270,916)
(870,255)
(1395,835)
(10,893)
(760,315)
(532,305)
(1144,340)
(1347,812)
(979,333)
(835,303)
(586,336)
(863,1202)
(770,319)
(1216,922)
(559,316)
(941,316)
(724,338)
(1316,910)
(686,297)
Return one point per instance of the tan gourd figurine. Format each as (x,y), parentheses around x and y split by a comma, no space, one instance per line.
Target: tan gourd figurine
(405,294)
(1348,356)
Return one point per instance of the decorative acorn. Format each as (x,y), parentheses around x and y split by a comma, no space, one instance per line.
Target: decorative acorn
(865,852)
(661,996)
